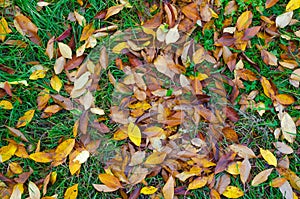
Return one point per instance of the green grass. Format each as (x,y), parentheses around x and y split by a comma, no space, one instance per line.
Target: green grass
(52,21)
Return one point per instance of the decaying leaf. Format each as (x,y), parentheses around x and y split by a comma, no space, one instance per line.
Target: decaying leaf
(261,177)
(34,191)
(244,20)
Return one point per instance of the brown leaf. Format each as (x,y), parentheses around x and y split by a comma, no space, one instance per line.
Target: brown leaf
(101,14)
(268,58)
(230,134)
(155,21)
(231,114)
(245,169)
(224,161)
(288,127)
(222,182)
(17,133)
(230,7)
(242,151)
(244,20)
(74,62)
(7,69)
(251,32)
(246,74)
(27,28)
(43,98)
(261,177)
(277,182)
(283,148)
(168,189)
(64,102)
(270,3)
(50,48)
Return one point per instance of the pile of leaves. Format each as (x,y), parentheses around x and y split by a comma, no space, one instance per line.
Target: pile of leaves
(176,116)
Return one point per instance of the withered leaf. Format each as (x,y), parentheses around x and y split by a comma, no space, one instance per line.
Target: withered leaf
(17,133)
(71,192)
(261,177)
(113,10)
(110,181)
(244,20)
(156,158)
(168,189)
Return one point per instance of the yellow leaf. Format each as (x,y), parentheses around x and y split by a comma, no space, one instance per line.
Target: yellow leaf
(119,47)
(42,157)
(113,10)
(285,99)
(64,149)
(134,134)
(261,177)
(43,98)
(56,83)
(110,180)
(25,119)
(71,192)
(168,189)
(6,105)
(15,168)
(17,192)
(74,166)
(6,152)
(65,50)
(4,29)
(87,31)
(269,157)
(148,190)
(38,74)
(234,168)
(233,192)
(34,191)
(53,177)
(198,183)
(244,20)
(293,5)
(156,158)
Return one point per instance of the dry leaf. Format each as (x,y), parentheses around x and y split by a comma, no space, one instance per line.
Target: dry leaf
(156,158)
(65,50)
(59,65)
(110,181)
(168,189)
(6,105)
(25,119)
(38,74)
(269,58)
(244,20)
(242,151)
(134,134)
(286,189)
(292,5)
(198,183)
(6,152)
(104,188)
(270,3)
(288,127)
(50,48)
(71,192)
(34,191)
(4,29)
(172,35)
(233,192)
(80,19)
(17,133)
(87,31)
(283,148)
(261,177)
(113,10)
(148,190)
(245,169)
(277,182)
(285,99)
(269,157)
(284,19)
(64,149)
(41,157)
(56,83)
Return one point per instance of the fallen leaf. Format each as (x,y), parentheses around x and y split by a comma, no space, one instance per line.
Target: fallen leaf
(25,119)
(198,183)
(6,105)
(270,3)
(277,182)
(113,10)
(6,152)
(43,98)
(261,177)
(269,157)
(244,20)
(110,181)
(148,190)
(17,133)
(233,192)
(87,31)
(288,127)
(41,157)
(80,19)
(104,188)
(56,83)
(65,50)
(59,65)
(242,151)
(286,189)
(234,168)
(285,99)
(50,48)
(283,148)
(168,189)
(172,35)
(38,74)
(71,192)
(269,58)
(134,134)
(156,158)
(64,149)
(292,5)
(34,191)
(4,29)
(245,169)
(26,28)
(15,168)
(284,19)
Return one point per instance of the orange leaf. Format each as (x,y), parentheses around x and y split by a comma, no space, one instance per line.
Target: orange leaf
(198,183)
(110,181)
(285,99)
(113,10)
(270,3)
